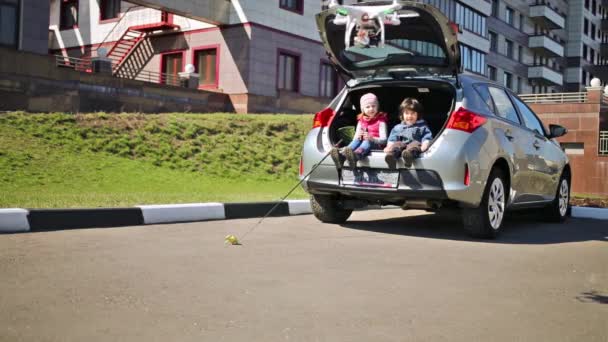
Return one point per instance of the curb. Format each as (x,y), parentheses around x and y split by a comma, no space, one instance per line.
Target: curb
(16,220)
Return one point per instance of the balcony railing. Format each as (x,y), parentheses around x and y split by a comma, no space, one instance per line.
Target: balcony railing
(554,98)
(603,145)
(86,65)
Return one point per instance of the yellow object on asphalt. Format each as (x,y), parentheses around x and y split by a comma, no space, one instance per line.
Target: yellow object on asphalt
(232,240)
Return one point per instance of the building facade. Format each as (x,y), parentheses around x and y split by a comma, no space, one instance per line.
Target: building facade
(268,53)
(24,25)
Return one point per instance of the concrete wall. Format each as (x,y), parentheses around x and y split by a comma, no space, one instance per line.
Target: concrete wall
(33,83)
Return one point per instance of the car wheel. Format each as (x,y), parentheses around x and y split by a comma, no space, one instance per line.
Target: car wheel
(559,209)
(486,220)
(328,210)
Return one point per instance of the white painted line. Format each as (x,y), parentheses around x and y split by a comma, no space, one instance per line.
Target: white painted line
(594,213)
(187,212)
(298,207)
(14,220)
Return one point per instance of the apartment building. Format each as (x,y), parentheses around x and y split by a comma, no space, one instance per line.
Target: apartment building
(268,53)
(24,25)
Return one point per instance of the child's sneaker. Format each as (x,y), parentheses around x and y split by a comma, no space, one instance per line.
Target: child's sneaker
(390,160)
(350,156)
(408,158)
(335,155)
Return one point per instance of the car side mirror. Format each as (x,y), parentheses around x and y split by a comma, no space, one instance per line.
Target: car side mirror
(556,131)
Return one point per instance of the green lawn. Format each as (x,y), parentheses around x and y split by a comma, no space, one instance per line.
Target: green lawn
(103,160)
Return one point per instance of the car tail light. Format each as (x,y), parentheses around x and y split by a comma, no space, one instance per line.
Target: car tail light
(467,175)
(465,120)
(323,118)
(301,167)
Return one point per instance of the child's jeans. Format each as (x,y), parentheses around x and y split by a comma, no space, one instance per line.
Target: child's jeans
(413,147)
(362,147)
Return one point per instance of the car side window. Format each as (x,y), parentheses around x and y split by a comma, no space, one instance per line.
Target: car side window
(530,119)
(504,106)
(484,93)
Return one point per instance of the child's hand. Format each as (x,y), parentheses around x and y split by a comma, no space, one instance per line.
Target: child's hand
(365,136)
(388,149)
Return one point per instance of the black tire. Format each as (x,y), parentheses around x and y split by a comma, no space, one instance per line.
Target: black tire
(559,209)
(478,221)
(326,209)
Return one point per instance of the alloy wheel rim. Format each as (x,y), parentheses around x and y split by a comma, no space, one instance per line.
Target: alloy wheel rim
(563,197)
(496,203)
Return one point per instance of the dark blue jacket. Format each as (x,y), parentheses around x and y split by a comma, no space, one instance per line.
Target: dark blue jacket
(419,131)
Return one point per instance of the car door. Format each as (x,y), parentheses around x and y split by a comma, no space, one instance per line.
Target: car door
(516,142)
(547,159)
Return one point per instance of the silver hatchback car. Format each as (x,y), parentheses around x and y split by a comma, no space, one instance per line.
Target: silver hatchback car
(489,154)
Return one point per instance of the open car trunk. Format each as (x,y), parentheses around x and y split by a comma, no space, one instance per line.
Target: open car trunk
(437,99)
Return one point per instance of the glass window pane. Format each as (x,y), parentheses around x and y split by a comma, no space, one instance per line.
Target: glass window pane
(504,107)
(8,25)
(530,120)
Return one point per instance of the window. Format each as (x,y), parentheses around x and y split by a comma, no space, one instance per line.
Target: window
(470,19)
(206,65)
(592,31)
(504,106)
(518,85)
(584,52)
(509,14)
(508,80)
(593,7)
(587,4)
(171,65)
(509,47)
(520,54)
(327,81)
(68,17)
(288,73)
(483,92)
(586,26)
(472,59)
(109,9)
(592,55)
(492,73)
(292,5)
(9,22)
(521,22)
(530,119)
(495,5)
(493,41)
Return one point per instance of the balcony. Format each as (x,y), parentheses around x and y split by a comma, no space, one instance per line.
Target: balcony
(211,11)
(547,17)
(544,75)
(546,46)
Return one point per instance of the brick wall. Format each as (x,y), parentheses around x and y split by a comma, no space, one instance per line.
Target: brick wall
(589,169)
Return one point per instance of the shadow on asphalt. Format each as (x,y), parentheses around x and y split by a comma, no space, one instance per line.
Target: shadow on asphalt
(592,297)
(519,228)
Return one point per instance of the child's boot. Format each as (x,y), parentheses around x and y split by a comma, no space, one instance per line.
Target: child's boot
(350,156)
(335,155)
(408,158)
(390,160)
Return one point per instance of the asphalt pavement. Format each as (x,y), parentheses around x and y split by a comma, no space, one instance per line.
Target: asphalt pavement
(385,275)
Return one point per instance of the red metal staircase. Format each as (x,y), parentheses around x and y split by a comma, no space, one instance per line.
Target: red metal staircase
(123,47)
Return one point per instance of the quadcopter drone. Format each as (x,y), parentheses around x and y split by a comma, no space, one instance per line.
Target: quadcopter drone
(366,16)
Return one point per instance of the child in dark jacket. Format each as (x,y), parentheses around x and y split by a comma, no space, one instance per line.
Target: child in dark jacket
(409,138)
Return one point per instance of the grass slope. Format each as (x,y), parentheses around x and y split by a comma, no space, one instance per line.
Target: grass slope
(90,160)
